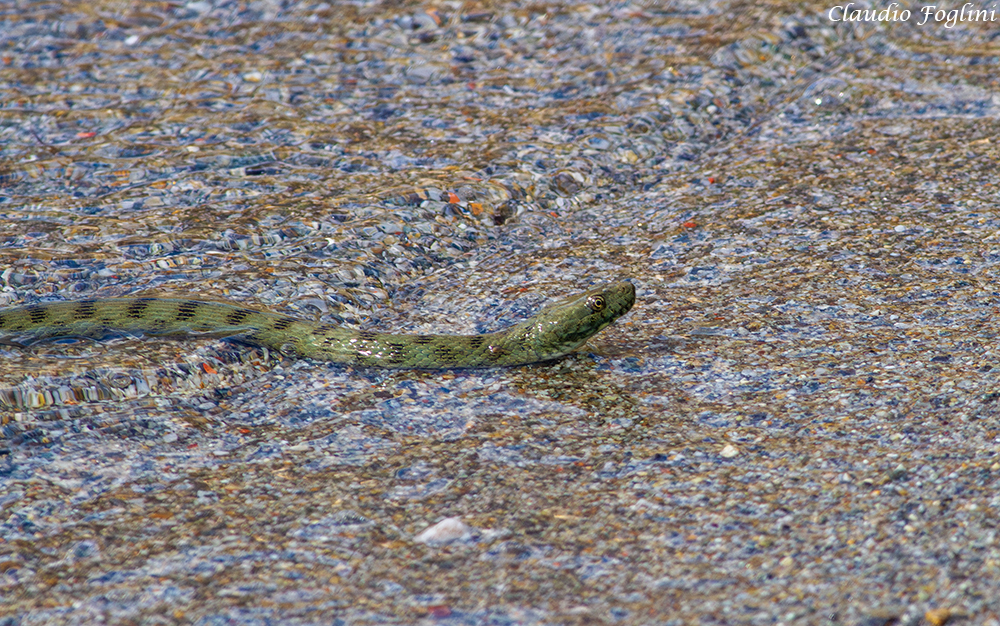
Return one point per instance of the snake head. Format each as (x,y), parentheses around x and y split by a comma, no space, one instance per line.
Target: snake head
(566,325)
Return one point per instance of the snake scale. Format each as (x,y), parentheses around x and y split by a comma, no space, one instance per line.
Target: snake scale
(555,331)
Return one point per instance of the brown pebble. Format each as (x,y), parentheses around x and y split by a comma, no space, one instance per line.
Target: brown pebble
(938,617)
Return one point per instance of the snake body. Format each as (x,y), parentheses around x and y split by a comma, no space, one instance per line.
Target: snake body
(555,331)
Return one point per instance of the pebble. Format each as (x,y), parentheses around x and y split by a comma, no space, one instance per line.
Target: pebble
(938,617)
(448,530)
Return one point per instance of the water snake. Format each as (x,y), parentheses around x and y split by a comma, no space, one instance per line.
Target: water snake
(555,331)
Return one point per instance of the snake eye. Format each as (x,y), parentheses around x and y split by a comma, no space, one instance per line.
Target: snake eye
(596,303)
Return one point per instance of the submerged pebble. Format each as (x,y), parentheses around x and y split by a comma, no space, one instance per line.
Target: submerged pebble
(448,530)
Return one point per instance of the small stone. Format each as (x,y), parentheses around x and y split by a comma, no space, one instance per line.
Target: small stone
(729,451)
(894,130)
(880,617)
(938,617)
(447,530)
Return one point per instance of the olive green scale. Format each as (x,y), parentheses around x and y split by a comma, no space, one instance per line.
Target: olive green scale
(555,331)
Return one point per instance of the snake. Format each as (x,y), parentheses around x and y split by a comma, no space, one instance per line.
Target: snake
(555,331)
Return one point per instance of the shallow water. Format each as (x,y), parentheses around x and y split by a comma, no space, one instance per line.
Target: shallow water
(796,423)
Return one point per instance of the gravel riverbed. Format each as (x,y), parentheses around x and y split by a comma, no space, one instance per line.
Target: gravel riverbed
(796,424)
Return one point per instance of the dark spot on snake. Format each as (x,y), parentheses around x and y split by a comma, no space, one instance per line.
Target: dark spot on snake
(423,339)
(187,310)
(326,328)
(84,309)
(236,317)
(138,308)
(283,323)
(397,352)
(37,314)
(446,354)
(476,342)
(367,335)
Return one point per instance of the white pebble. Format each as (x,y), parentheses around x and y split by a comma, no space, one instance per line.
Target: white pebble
(729,451)
(447,530)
